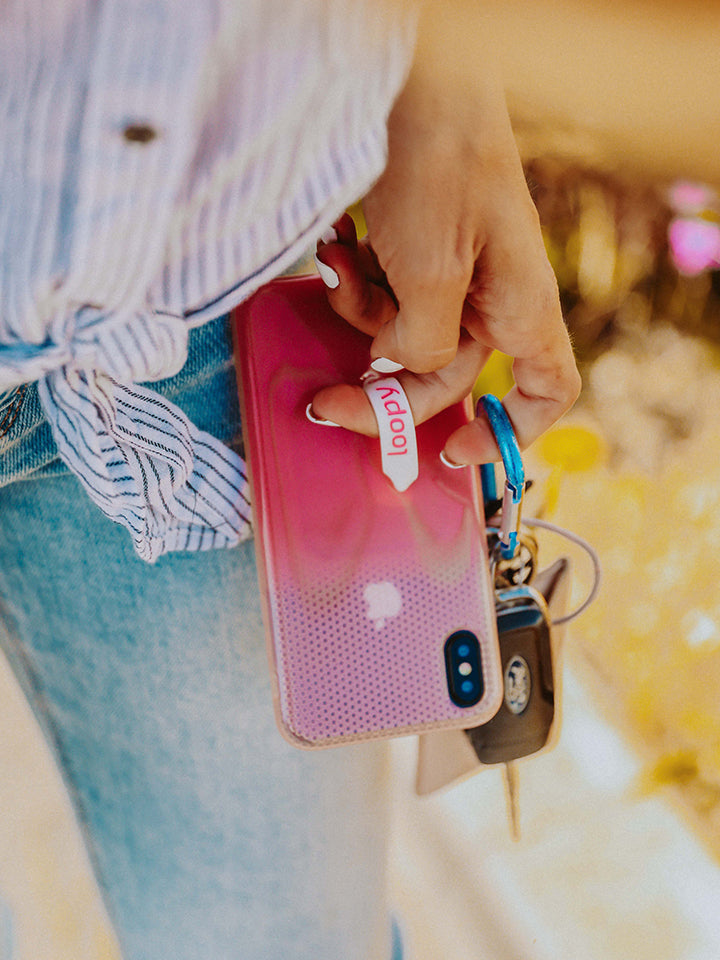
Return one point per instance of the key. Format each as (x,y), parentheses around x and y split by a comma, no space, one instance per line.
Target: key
(511,798)
(524,721)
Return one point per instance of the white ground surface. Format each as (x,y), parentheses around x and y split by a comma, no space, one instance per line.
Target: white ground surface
(600,873)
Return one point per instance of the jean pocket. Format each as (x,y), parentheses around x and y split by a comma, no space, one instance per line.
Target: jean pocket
(11,402)
(27,448)
(205,389)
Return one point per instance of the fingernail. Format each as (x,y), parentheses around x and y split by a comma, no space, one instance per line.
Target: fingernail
(449,463)
(329,235)
(329,277)
(315,419)
(383,365)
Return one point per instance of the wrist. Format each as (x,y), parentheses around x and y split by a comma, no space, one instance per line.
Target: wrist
(453,93)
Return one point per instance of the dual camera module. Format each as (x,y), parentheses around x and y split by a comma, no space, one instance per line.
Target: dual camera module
(464,673)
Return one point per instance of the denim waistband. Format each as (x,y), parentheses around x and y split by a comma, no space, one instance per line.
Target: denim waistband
(205,389)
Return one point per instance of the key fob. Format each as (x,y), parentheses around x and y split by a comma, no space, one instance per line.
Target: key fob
(524,721)
(448,756)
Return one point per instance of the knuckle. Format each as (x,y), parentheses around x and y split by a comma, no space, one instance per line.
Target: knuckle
(455,272)
(567,387)
(575,386)
(431,270)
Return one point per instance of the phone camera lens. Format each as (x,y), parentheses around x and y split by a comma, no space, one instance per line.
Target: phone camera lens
(464,672)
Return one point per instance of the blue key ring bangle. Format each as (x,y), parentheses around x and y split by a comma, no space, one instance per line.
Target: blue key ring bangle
(507,442)
(514,470)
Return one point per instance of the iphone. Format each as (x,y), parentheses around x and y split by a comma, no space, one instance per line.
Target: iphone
(377,602)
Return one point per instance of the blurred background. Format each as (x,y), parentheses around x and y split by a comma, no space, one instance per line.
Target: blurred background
(616,108)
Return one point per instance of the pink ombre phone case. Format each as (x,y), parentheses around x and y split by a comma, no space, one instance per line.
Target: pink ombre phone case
(362,585)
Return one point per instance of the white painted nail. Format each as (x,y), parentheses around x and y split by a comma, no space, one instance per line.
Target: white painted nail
(329,235)
(330,278)
(314,419)
(383,365)
(448,463)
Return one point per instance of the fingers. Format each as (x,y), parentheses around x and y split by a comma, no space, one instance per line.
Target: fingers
(361,294)
(423,335)
(545,389)
(515,307)
(512,304)
(428,394)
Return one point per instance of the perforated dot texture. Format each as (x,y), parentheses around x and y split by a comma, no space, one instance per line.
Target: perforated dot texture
(354,677)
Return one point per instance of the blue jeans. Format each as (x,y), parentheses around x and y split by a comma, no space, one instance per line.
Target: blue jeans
(211,837)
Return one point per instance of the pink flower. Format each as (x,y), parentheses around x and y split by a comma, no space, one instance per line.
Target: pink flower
(689,199)
(694,245)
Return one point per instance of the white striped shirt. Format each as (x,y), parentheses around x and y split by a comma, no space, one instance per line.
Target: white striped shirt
(159,161)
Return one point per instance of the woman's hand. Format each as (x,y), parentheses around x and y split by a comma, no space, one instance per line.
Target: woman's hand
(453,267)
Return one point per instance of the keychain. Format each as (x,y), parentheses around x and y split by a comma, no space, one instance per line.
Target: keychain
(525,720)
(530,608)
(523,723)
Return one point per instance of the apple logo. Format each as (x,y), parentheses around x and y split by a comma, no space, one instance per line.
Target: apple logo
(384,602)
